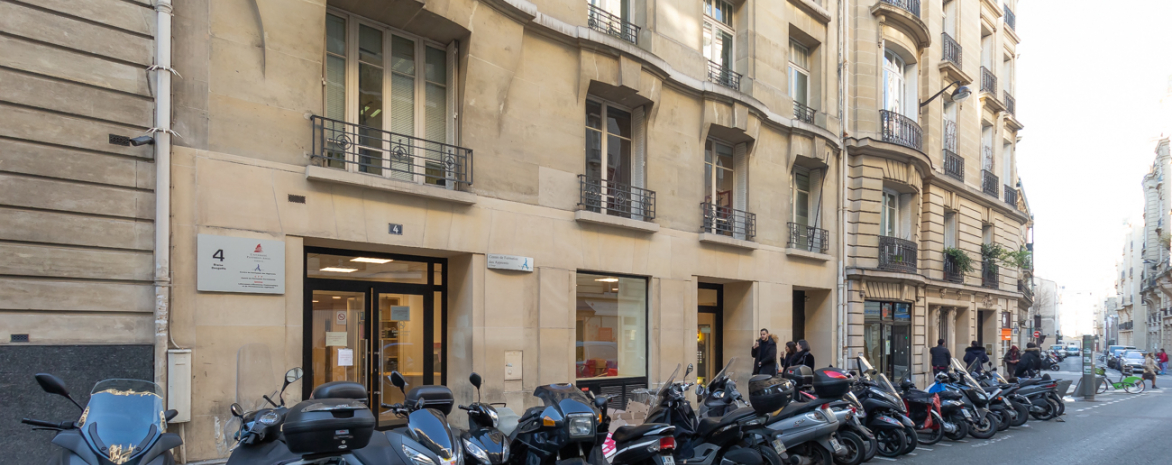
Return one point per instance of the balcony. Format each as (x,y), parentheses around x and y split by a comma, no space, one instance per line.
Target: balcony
(1011,196)
(1010,18)
(952,51)
(988,82)
(897,254)
(803,113)
(952,273)
(953,165)
(808,238)
(1025,289)
(900,130)
(726,77)
(398,162)
(602,21)
(615,199)
(1010,104)
(911,6)
(989,183)
(726,221)
(989,276)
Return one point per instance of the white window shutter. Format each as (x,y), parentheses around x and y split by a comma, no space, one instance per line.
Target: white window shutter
(740,187)
(639,164)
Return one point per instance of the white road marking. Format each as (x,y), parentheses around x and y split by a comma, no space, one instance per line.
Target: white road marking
(885,458)
(943,444)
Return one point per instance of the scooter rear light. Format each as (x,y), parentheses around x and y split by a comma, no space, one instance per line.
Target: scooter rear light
(667,443)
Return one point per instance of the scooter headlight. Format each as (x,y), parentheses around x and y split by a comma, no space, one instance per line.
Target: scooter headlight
(496,419)
(417,457)
(268,418)
(581,425)
(476,451)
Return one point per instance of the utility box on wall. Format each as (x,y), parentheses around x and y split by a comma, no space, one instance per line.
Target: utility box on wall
(179,384)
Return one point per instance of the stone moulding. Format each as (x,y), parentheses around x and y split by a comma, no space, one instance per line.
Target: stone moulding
(337,176)
(721,239)
(583,216)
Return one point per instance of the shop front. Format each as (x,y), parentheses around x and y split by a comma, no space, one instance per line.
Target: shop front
(610,346)
(887,337)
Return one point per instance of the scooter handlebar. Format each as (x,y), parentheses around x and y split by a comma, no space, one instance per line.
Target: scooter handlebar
(46,424)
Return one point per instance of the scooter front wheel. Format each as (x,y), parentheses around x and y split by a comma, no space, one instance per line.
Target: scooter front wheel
(913,439)
(891,442)
(962,428)
(856,448)
(985,428)
(930,436)
(1048,409)
(1023,414)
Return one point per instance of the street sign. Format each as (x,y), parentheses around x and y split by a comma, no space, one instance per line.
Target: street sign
(1037,334)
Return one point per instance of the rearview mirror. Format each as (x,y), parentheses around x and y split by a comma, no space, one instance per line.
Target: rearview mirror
(688,372)
(601,401)
(699,391)
(52,384)
(294,374)
(475,379)
(170,414)
(397,380)
(237,410)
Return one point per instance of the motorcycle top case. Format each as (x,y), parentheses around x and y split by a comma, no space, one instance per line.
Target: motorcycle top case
(831,383)
(436,397)
(770,393)
(801,374)
(328,425)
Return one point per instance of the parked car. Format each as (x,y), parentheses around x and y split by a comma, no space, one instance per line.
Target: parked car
(1113,357)
(1133,359)
(1072,350)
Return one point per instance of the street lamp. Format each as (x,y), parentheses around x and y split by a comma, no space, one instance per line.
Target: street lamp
(959,95)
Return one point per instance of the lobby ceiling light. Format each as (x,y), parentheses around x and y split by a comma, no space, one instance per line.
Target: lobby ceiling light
(338,297)
(336,269)
(315,301)
(379,261)
(607,280)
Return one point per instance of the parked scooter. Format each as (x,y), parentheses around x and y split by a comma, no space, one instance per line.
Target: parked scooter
(927,412)
(484,443)
(720,396)
(123,423)
(1016,407)
(982,424)
(259,438)
(566,430)
(886,413)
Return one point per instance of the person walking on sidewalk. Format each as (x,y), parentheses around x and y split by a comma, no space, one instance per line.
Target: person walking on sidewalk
(1162,357)
(1030,363)
(941,357)
(975,354)
(765,354)
(1150,369)
(1011,359)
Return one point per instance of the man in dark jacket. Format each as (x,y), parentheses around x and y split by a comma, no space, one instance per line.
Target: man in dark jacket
(803,355)
(1031,361)
(765,354)
(941,357)
(975,354)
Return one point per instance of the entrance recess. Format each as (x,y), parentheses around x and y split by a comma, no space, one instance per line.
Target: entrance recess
(887,336)
(709,331)
(370,314)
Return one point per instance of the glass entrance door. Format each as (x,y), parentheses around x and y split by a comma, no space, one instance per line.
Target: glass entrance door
(340,339)
(709,331)
(399,330)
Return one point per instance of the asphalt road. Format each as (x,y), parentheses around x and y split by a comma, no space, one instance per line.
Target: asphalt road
(1116,428)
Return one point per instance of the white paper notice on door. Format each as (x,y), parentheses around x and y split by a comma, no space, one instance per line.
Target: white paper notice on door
(335,338)
(345,357)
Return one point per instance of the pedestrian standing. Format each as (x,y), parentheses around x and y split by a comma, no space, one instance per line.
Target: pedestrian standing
(1150,369)
(803,356)
(975,354)
(765,354)
(1030,362)
(1011,359)
(941,357)
(787,359)
(1163,359)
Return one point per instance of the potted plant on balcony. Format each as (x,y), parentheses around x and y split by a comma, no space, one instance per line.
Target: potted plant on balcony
(961,262)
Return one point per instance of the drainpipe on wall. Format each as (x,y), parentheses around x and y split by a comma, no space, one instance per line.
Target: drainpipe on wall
(843,356)
(162,134)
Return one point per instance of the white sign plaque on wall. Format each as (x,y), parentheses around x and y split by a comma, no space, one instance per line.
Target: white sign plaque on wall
(238,264)
(510,262)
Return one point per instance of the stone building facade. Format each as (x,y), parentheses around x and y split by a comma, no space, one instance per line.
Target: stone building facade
(1151,322)
(928,173)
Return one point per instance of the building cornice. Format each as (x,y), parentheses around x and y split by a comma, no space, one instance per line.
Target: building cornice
(931,285)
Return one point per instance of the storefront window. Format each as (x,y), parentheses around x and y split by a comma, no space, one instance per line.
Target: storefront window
(887,336)
(611,329)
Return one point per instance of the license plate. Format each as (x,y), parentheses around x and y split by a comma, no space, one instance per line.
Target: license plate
(837,446)
(967,415)
(668,460)
(779,447)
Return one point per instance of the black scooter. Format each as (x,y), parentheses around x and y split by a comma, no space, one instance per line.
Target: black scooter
(259,438)
(124,422)
(484,443)
(565,430)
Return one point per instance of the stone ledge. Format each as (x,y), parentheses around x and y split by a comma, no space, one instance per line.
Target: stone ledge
(818,12)
(808,254)
(615,221)
(721,239)
(336,176)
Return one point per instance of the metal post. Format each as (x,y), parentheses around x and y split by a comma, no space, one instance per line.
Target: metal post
(1088,368)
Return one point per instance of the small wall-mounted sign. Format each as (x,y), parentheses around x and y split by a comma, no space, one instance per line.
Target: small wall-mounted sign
(239,264)
(396,229)
(510,262)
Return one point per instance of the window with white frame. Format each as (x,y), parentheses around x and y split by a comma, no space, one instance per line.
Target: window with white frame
(614,175)
(801,196)
(799,73)
(950,227)
(889,214)
(1007,163)
(718,33)
(719,174)
(399,88)
(894,83)
(987,148)
(949,18)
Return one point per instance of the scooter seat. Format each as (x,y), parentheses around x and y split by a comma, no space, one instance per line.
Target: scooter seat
(707,426)
(626,433)
(798,408)
(710,424)
(949,395)
(917,396)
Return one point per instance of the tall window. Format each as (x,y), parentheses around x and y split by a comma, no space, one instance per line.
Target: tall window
(893,83)
(608,143)
(405,92)
(950,127)
(1007,164)
(799,73)
(718,32)
(889,214)
(611,327)
(801,196)
(950,226)
(987,148)
(949,18)
(718,174)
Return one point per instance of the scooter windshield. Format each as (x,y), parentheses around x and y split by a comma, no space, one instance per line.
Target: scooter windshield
(120,415)
(431,428)
(965,377)
(667,384)
(724,373)
(554,394)
(869,373)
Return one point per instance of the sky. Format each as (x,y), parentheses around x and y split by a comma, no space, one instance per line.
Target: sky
(1091,76)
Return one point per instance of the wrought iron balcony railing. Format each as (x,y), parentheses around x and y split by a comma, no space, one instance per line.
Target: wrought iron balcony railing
(615,198)
(988,81)
(1011,196)
(912,6)
(1010,104)
(729,222)
(603,21)
(1025,288)
(719,74)
(808,238)
(803,113)
(989,183)
(900,130)
(953,165)
(1010,18)
(338,144)
(989,276)
(897,254)
(952,273)
(952,51)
